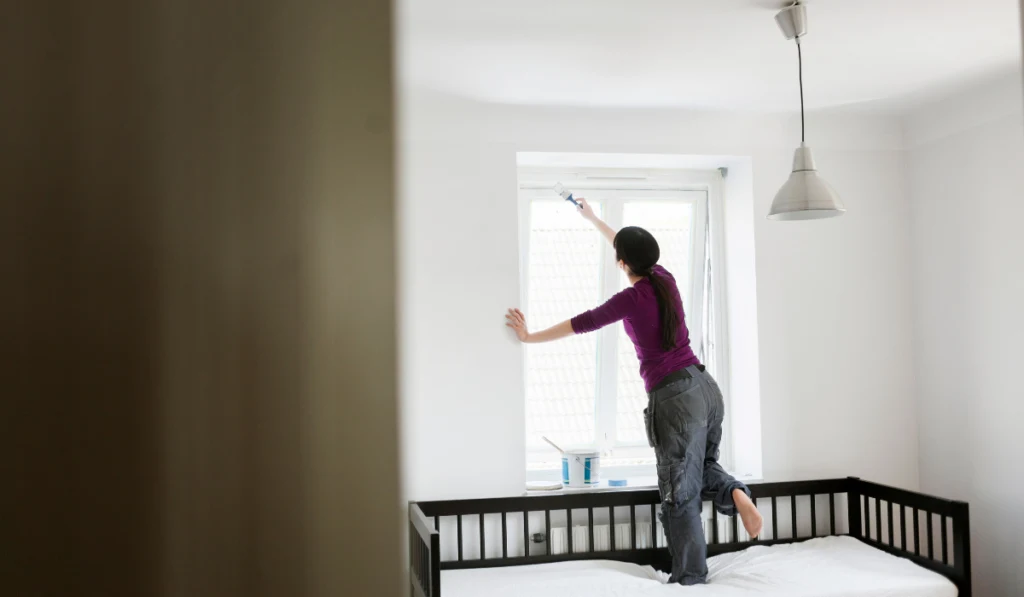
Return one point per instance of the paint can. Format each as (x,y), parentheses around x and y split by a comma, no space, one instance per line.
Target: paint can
(581,468)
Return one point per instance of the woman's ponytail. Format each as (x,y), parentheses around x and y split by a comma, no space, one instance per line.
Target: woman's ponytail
(668,314)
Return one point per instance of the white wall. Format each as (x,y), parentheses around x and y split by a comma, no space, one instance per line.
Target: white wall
(966,182)
(833,310)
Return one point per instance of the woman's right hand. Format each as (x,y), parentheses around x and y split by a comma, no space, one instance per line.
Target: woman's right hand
(585,210)
(517,321)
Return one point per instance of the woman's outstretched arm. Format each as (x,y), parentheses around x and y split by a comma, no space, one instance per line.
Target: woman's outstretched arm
(588,214)
(517,321)
(614,309)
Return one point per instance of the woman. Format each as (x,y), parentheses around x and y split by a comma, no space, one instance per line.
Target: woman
(685,408)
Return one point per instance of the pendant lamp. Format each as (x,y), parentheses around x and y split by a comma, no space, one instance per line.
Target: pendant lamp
(805,196)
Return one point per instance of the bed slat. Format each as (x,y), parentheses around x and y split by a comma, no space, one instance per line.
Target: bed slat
(917,534)
(867,516)
(459,531)
(632,523)
(526,533)
(547,532)
(590,527)
(931,555)
(889,511)
(814,517)
(504,536)
(878,520)
(945,557)
(903,528)
(775,519)
(611,529)
(654,527)
(792,509)
(831,514)
(568,528)
(483,553)
(714,524)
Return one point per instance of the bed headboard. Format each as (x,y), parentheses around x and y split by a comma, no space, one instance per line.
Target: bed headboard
(623,525)
(937,535)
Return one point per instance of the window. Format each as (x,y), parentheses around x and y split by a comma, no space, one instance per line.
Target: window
(585,391)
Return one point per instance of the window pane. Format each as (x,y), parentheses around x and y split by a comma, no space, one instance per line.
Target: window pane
(669,222)
(564,280)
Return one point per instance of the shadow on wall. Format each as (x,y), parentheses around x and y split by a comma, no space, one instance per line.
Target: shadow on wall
(187,365)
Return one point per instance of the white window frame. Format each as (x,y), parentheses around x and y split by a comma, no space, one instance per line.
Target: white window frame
(609,185)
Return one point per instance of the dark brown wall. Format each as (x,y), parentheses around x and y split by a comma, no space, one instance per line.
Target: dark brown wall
(197,267)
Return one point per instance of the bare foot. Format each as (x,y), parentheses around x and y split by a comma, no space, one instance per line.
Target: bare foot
(752,520)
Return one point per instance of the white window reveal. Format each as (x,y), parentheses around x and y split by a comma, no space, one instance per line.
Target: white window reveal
(585,391)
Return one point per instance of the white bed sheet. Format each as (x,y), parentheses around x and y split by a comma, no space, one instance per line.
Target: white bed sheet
(824,567)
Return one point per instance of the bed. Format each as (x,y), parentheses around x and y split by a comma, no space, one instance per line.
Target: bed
(823,567)
(826,538)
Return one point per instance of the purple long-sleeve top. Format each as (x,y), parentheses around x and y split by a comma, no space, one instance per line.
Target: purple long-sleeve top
(637,308)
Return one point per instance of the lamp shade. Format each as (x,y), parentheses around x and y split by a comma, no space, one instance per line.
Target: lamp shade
(805,196)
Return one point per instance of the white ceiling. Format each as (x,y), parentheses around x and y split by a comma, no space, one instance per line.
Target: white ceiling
(714,54)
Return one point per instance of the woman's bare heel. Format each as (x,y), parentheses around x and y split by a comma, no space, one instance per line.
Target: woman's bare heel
(751,518)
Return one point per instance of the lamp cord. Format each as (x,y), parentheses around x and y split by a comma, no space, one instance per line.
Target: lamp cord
(800,63)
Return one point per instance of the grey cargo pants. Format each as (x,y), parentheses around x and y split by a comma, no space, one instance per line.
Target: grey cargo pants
(684,426)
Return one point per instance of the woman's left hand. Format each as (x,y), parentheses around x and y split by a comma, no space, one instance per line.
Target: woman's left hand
(517,321)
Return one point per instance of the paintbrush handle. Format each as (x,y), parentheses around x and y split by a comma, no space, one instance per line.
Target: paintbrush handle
(553,445)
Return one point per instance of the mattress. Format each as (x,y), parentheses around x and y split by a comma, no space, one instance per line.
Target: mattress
(824,567)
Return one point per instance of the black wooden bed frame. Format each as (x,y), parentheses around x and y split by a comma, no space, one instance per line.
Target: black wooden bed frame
(425,563)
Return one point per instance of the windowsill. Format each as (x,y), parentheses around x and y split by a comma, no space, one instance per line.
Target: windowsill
(636,477)
(602,487)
